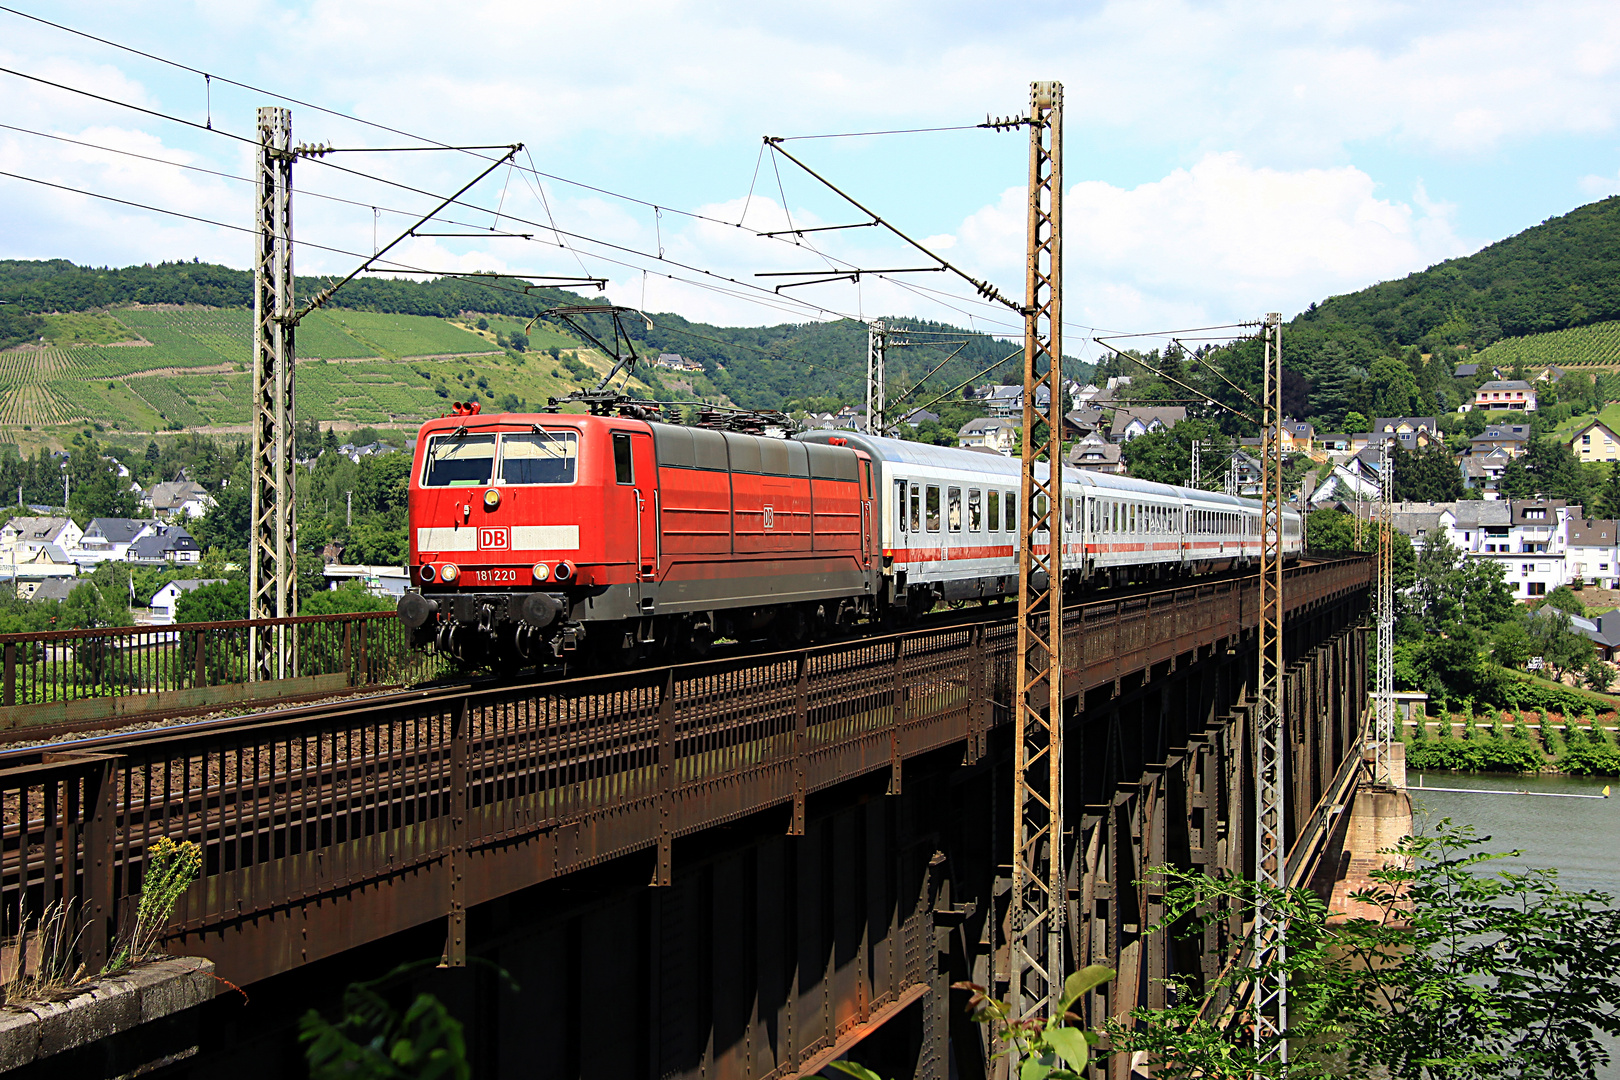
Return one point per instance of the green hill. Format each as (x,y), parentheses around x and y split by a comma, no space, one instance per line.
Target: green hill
(1562,273)
(194,316)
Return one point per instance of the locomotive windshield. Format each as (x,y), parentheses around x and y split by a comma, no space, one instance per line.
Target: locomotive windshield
(540,457)
(545,457)
(459,460)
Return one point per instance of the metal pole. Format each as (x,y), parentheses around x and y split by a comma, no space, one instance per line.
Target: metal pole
(271,578)
(1038,894)
(1270,929)
(1384,697)
(877,341)
(1193,478)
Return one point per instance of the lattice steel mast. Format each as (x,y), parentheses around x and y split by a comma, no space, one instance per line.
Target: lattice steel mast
(1038,896)
(1384,693)
(1270,929)
(272,577)
(877,341)
(1193,477)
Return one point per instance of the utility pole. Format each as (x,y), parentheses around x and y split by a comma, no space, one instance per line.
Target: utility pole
(348,514)
(1038,894)
(1231,477)
(877,344)
(1270,928)
(1193,479)
(272,582)
(1384,696)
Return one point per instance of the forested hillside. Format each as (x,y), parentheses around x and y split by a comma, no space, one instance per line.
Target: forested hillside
(761,367)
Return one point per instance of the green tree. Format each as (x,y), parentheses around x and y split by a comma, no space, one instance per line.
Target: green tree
(1608,500)
(1394,390)
(220,601)
(87,606)
(1560,646)
(1463,973)
(1564,599)
(1356,423)
(1331,532)
(1516,481)
(352,596)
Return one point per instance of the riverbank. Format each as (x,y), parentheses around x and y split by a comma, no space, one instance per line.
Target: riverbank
(1530,742)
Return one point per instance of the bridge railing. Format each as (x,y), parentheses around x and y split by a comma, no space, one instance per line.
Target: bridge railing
(68,678)
(321,832)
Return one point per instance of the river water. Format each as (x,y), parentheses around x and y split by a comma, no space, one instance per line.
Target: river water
(1580,838)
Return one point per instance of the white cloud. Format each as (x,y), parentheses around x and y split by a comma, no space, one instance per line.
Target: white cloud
(1599,187)
(1221,241)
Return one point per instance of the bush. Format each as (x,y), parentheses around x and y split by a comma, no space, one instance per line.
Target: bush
(352,596)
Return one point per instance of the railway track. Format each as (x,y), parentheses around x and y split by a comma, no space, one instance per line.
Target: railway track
(71,737)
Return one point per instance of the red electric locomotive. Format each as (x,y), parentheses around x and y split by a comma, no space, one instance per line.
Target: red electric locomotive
(534,534)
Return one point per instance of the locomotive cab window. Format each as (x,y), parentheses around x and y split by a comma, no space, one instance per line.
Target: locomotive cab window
(459,461)
(624,469)
(547,457)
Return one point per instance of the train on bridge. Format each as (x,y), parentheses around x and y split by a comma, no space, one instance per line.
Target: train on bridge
(536,535)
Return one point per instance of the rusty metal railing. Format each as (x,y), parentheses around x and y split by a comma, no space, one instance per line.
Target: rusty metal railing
(80,677)
(322,832)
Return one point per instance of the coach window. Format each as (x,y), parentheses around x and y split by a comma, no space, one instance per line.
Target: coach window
(900,508)
(916,508)
(993,511)
(1012,513)
(953,508)
(624,470)
(1042,508)
(933,508)
(1068,513)
(975,514)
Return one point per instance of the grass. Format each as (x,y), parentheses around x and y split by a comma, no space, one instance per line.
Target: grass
(88,328)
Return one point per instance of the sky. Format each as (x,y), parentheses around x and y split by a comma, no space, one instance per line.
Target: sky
(1222,160)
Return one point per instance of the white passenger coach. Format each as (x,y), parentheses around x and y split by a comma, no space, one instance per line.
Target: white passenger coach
(948,519)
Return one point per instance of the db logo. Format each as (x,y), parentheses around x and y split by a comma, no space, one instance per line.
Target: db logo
(770,517)
(494,539)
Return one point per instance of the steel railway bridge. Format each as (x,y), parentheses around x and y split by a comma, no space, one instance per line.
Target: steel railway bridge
(740,868)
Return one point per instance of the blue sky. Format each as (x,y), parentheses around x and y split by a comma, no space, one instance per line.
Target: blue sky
(1223,160)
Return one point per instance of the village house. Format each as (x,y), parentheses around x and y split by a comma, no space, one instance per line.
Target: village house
(992,432)
(1130,422)
(1096,454)
(26,535)
(108,539)
(179,498)
(167,599)
(1595,442)
(1515,394)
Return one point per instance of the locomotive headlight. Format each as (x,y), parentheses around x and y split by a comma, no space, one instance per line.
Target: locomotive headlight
(541,571)
(449,573)
(492,498)
(427,573)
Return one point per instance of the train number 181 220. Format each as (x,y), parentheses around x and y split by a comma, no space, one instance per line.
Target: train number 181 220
(485,577)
